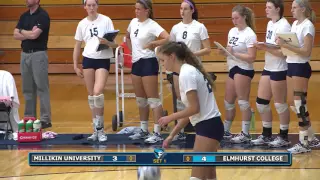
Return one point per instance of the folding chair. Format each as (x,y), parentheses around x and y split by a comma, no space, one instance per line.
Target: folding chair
(4,107)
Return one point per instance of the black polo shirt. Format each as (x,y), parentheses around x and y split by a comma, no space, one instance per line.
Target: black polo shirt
(27,21)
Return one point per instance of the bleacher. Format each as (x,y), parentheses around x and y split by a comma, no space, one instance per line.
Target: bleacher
(65,15)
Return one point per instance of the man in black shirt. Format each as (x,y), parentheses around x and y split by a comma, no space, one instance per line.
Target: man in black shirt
(33,30)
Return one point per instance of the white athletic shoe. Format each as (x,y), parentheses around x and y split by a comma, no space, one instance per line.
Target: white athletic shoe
(227,135)
(179,137)
(261,140)
(93,137)
(102,137)
(279,142)
(241,138)
(314,143)
(299,148)
(154,138)
(139,135)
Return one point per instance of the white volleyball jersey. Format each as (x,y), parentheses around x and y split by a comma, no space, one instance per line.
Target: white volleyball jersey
(192,79)
(191,34)
(142,33)
(89,31)
(240,41)
(302,30)
(276,63)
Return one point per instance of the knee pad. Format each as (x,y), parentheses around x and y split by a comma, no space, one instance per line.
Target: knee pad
(91,101)
(99,101)
(281,107)
(154,102)
(301,108)
(228,106)
(142,102)
(244,105)
(263,105)
(180,105)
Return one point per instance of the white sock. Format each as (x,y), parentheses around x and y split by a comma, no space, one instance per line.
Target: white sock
(157,128)
(227,125)
(245,127)
(99,122)
(303,137)
(144,126)
(284,126)
(310,134)
(194,178)
(182,130)
(267,124)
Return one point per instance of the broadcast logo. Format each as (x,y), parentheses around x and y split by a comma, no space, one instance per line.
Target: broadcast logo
(159,154)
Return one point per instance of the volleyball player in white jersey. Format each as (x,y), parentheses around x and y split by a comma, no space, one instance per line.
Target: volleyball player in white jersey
(195,35)
(141,38)
(273,79)
(200,105)
(241,41)
(299,72)
(95,64)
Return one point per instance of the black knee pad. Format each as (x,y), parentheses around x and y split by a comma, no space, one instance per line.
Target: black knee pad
(262,101)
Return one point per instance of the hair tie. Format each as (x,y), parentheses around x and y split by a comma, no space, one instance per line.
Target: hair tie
(190,4)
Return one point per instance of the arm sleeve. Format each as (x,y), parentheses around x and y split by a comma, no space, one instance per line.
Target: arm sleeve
(44,22)
(308,30)
(156,29)
(203,32)
(188,82)
(173,34)
(78,35)
(250,40)
(19,24)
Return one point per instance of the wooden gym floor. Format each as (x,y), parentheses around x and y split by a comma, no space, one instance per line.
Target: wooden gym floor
(70,114)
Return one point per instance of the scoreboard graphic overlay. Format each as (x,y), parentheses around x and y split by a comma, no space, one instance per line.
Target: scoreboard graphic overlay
(161,158)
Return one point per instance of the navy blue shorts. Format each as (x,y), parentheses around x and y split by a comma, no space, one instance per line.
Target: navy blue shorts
(275,75)
(89,63)
(236,70)
(145,67)
(299,70)
(212,128)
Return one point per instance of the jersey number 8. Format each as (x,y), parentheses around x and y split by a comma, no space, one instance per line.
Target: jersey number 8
(184,35)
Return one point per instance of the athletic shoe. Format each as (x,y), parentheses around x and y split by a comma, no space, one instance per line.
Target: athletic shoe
(299,148)
(139,135)
(154,138)
(241,138)
(279,142)
(261,140)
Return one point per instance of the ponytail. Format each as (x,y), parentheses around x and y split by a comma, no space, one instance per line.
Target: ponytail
(248,14)
(183,54)
(309,12)
(312,16)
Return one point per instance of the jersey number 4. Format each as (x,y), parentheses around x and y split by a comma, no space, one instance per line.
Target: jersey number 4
(185,35)
(94,32)
(136,32)
(208,85)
